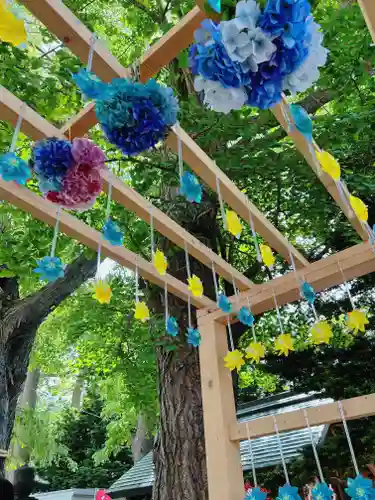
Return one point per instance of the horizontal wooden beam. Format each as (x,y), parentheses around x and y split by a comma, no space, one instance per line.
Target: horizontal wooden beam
(37,127)
(46,212)
(368,9)
(360,407)
(325,273)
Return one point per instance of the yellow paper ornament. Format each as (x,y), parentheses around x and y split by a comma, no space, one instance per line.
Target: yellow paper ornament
(102,292)
(357,320)
(234,360)
(233,223)
(321,333)
(284,344)
(141,312)
(195,286)
(255,351)
(160,262)
(267,256)
(12,30)
(329,164)
(359,208)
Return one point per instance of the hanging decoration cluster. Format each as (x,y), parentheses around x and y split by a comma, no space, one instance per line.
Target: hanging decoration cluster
(133,116)
(253,57)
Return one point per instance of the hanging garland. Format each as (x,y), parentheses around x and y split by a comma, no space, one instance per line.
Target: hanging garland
(257,54)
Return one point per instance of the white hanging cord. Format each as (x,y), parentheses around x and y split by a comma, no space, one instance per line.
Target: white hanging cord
(136,280)
(255,237)
(344,196)
(321,476)
(189,312)
(278,313)
(354,460)
(16,132)
(166,304)
(187,261)
(179,151)
(152,232)
(314,312)
(93,40)
(237,295)
(98,259)
(56,232)
(252,326)
(230,335)
(215,282)
(109,199)
(288,121)
(281,450)
(346,286)
(251,455)
(221,203)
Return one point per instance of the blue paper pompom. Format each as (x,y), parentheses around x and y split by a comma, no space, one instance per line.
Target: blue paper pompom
(172,326)
(13,168)
(360,488)
(90,85)
(50,268)
(245,316)
(288,492)
(302,120)
(321,491)
(191,188)
(52,159)
(112,233)
(194,337)
(308,292)
(224,303)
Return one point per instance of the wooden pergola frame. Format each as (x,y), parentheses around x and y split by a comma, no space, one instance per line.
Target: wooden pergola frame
(222,432)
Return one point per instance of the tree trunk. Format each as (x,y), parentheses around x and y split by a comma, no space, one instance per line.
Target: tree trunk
(19,322)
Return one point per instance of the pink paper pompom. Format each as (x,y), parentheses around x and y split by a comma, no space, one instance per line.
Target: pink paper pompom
(87,152)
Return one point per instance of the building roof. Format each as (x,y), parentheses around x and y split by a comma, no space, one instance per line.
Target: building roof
(72,494)
(139,479)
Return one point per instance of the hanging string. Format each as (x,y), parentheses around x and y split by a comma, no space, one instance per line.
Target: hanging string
(187,262)
(236,291)
(346,286)
(215,282)
(344,196)
(314,312)
(281,450)
(321,476)
(354,460)
(230,335)
(289,124)
(278,313)
(93,40)
(16,131)
(166,304)
(251,456)
(189,312)
(179,151)
(56,232)
(253,325)
(109,199)
(136,280)
(152,232)
(98,259)
(255,237)
(221,202)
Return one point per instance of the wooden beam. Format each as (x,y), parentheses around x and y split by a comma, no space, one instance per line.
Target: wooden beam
(355,262)
(360,407)
(37,128)
(46,212)
(368,9)
(3,453)
(224,470)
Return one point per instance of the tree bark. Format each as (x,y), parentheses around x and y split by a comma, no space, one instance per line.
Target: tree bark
(19,322)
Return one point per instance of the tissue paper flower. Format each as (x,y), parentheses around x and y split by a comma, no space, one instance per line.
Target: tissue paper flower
(302,121)
(245,316)
(288,492)
(233,223)
(102,292)
(255,351)
(248,13)
(234,360)
(13,168)
(267,255)
(160,262)
(322,491)
(12,30)
(256,494)
(359,208)
(195,286)
(329,164)
(194,337)
(112,233)
(191,188)
(172,326)
(53,158)
(284,344)
(224,303)
(90,85)
(321,333)
(308,292)
(218,98)
(50,268)
(357,320)
(360,488)
(142,312)
(87,152)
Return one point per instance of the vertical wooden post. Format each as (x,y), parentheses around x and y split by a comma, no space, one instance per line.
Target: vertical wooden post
(224,469)
(368,9)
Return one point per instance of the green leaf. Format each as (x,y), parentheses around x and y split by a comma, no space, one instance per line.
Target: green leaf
(5,273)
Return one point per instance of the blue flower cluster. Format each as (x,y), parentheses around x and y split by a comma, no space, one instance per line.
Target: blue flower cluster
(52,159)
(253,57)
(133,116)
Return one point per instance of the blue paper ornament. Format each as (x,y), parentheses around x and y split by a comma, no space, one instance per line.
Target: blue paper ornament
(302,121)
(215,4)
(191,188)
(172,326)
(321,491)
(13,168)
(360,488)
(288,492)
(224,303)
(52,159)
(256,494)
(194,337)
(308,292)
(50,268)
(112,233)
(245,316)
(90,85)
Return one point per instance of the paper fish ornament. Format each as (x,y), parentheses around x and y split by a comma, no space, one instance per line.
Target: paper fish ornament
(360,488)
(224,303)
(359,208)
(357,320)
(141,312)
(267,256)
(245,316)
(234,360)
(195,286)
(50,268)
(13,168)
(329,164)
(284,344)
(288,492)
(172,326)
(321,491)
(112,233)
(321,333)
(233,223)
(190,188)
(302,121)
(160,262)
(194,337)
(308,292)
(12,30)
(102,292)
(255,351)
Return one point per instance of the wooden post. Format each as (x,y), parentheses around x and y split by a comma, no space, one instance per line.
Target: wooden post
(224,469)
(368,9)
